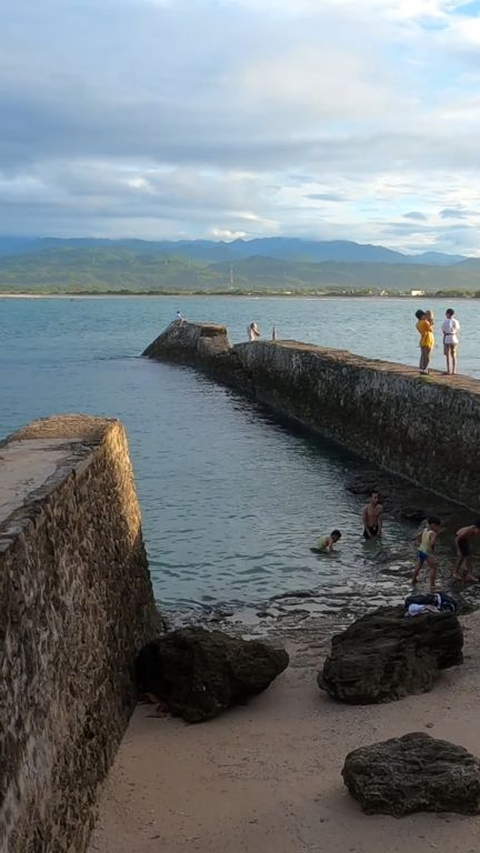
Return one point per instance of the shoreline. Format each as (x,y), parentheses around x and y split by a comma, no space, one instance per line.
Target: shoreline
(225,295)
(267,776)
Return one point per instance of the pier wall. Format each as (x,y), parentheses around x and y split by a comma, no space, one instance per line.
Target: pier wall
(426,429)
(76,605)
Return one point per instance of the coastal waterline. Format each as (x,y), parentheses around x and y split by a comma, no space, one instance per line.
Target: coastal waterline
(231,499)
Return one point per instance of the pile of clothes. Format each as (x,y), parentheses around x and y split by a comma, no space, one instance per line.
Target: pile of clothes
(432,602)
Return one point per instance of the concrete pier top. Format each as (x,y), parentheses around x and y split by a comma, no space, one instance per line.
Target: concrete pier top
(36,457)
(25,466)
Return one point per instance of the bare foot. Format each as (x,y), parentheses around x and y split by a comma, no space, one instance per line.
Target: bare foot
(147,699)
(457,577)
(471,578)
(161,711)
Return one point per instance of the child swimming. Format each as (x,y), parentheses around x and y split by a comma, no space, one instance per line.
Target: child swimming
(426,540)
(327,543)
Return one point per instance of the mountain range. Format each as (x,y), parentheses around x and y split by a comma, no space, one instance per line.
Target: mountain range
(210,251)
(270,265)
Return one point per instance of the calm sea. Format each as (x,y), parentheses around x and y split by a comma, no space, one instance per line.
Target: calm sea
(231,498)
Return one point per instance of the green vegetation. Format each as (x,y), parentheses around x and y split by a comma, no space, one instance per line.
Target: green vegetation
(106,269)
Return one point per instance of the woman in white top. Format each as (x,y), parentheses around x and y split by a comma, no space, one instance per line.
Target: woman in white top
(450,329)
(253,332)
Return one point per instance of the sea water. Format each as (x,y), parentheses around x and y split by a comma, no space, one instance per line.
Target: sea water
(232,499)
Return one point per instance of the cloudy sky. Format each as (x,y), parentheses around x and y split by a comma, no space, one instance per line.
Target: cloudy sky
(351,119)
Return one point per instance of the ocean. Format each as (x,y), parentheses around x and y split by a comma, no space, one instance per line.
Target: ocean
(232,498)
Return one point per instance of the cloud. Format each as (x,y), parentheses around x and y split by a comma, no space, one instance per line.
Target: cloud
(415,215)
(147,118)
(453,213)
(326,196)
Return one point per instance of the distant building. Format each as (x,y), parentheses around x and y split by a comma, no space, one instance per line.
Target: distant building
(417,293)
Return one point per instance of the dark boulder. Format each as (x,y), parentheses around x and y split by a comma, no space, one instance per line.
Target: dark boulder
(414,773)
(386,655)
(199,673)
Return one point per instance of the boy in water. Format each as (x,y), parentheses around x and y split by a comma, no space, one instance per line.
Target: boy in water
(372,517)
(327,543)
(462,547)
(426,540)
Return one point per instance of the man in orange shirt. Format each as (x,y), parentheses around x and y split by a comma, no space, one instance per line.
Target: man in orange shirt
(424,328)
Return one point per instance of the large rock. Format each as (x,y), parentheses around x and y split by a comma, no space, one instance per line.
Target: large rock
(199,673)
(191,343)
(411,774)
(386,655)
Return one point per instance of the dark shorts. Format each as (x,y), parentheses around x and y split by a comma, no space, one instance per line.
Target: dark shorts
(370,532)
(463,547)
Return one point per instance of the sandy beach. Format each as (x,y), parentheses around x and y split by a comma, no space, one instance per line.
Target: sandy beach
(266,777)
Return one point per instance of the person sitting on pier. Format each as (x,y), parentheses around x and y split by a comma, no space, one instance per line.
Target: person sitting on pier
(327,543)
(372,517)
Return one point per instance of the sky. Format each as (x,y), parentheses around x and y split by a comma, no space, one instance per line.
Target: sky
(219,119)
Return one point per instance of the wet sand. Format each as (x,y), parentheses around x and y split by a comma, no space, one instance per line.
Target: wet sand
(266,778)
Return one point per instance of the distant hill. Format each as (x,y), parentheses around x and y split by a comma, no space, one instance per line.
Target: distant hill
(110,267)
(209,251)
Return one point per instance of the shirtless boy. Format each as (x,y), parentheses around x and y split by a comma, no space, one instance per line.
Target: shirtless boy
(372,517)
(462,547)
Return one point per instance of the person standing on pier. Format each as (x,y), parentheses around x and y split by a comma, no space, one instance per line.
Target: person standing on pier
(424,328)
(450,329)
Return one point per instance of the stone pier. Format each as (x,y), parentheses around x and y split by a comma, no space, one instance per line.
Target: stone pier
(424,428)
(76,604)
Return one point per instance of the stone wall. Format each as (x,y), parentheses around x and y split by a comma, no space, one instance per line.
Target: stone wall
(189,342)
(76,605)
(424,428)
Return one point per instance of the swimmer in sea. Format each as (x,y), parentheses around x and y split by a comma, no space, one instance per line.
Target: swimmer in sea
(327,543)
(372,517)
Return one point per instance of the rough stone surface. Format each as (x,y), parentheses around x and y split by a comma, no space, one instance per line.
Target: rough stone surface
(382,411)
(400,498)
(386,655)
(414,773)
(76,605)
(189,342)
(199,673)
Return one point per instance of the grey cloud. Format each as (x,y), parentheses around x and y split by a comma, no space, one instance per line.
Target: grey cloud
(415,215)
(453,213)
(326,196)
